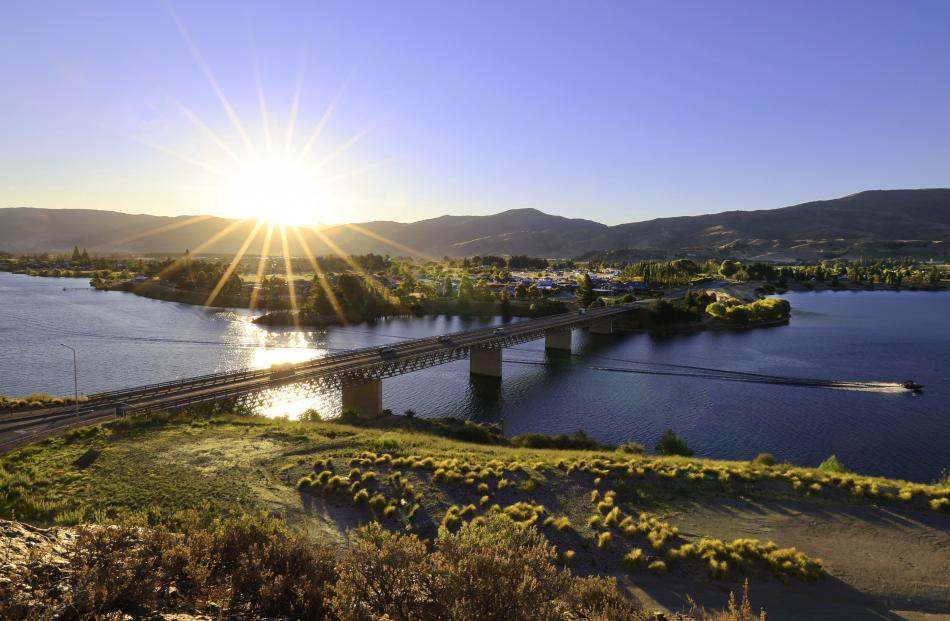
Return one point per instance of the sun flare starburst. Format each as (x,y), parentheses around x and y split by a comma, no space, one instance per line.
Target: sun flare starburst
(273,192)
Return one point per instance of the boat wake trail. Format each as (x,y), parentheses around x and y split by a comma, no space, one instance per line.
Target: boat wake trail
(678,370)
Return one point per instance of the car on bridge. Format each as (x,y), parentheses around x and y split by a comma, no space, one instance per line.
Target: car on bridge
(498,331)
(282,370)
(386,352)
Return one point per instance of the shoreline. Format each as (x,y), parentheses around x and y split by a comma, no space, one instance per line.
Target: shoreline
(747,292)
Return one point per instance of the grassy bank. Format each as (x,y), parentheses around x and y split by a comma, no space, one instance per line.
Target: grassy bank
(229,464)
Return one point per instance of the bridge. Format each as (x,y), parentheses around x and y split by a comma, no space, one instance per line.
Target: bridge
(358,374)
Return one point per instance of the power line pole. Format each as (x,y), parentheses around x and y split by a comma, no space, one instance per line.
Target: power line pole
(75,378)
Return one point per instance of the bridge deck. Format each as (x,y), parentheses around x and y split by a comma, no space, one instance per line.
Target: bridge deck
(331,371)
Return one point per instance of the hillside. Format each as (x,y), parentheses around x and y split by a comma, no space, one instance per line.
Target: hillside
(886,222)
(866,217)
(663,527)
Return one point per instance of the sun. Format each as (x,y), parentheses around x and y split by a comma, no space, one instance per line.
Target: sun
(275,189)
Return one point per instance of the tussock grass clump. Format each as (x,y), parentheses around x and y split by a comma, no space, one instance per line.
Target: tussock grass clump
(451,517)
(377,502)
(750,556)
(524,513)
(633,560)
(612,518)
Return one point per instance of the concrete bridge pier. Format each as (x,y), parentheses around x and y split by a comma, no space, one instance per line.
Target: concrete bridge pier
(484,361)
(602,326)
(365,400)
(559,340)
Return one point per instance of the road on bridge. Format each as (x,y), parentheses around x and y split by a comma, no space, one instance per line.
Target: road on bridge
(19,429)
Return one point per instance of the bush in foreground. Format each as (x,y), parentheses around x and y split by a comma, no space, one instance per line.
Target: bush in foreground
(493,569)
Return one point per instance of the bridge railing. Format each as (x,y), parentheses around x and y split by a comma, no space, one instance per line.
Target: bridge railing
(461,337)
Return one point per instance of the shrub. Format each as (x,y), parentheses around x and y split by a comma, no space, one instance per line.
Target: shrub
(273,570)
(474,432)
(832,465)
(379,574)
(598,599)
(579,440)
(764,459)
(632,448)
(310,415)
(733,612)
(716,309)
(671,444)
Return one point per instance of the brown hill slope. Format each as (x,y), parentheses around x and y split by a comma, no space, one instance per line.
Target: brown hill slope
(867,221)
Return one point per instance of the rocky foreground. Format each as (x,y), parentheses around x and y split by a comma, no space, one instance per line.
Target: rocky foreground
(33,559)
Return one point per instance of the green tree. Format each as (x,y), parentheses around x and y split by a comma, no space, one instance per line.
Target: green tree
(447,287)
(727,268)
(466,289)
(671,444)
(585,291)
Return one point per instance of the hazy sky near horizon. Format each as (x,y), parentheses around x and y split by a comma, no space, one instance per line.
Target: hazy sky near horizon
(613,111)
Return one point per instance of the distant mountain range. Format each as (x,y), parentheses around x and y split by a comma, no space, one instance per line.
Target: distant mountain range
(877,222)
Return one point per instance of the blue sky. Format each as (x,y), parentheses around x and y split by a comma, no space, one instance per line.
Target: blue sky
(614,111)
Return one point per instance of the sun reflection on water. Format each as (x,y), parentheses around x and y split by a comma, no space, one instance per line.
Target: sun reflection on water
(270,347)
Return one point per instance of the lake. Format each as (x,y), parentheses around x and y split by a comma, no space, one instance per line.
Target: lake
(124,340)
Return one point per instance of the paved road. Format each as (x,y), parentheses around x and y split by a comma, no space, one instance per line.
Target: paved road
(17,429)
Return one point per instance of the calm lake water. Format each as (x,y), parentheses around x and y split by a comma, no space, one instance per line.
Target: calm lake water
(124,340)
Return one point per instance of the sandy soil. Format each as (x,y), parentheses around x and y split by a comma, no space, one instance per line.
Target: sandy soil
(884,563)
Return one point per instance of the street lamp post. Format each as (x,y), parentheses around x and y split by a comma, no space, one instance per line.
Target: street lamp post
(75,378)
